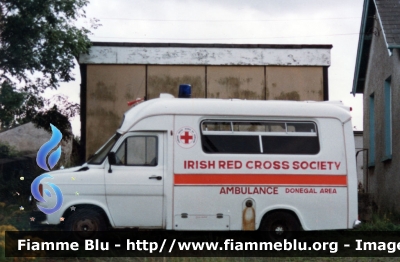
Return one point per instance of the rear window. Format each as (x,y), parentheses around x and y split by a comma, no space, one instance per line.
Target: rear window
(259,137)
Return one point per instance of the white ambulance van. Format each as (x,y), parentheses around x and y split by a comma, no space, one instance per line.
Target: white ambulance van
(215,164)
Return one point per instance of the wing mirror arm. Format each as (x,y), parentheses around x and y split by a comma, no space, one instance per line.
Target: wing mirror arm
(111,160)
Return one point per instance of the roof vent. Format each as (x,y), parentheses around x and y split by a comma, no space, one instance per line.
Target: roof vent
(166,96)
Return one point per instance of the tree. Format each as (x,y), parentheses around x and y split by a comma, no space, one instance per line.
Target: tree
(40,36)
(10,102)
(38,45)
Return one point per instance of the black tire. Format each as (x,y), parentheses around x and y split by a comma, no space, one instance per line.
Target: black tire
(280,225)
(86,223)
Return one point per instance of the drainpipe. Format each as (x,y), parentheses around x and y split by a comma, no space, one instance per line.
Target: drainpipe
(366,179)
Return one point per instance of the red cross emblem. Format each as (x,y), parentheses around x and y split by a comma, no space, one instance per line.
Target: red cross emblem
(186,137)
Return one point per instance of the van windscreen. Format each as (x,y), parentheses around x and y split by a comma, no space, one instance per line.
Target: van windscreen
(101,154)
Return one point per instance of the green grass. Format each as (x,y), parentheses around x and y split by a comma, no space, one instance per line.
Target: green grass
(206,259)
(11,215)
(385,222)
(12,218)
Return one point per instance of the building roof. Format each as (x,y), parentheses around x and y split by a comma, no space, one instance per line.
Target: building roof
(387,13)
(207,54)
(270,46)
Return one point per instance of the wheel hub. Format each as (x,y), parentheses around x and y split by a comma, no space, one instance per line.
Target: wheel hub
(86,225)
(279,230)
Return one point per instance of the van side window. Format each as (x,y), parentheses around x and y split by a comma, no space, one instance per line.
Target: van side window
(259,137)
(137,151)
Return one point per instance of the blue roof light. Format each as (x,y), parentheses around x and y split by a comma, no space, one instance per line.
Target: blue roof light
(185,91)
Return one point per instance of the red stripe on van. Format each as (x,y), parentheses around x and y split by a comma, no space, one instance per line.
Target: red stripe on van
(261,179)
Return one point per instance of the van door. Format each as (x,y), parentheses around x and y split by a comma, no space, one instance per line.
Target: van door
(134,188)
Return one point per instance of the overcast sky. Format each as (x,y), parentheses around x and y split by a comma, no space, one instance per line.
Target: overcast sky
(335,22)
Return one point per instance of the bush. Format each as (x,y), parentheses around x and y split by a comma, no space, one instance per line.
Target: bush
(382,222)
(7,151)
(16,174)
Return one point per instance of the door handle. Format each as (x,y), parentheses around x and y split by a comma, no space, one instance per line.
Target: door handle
(156,177)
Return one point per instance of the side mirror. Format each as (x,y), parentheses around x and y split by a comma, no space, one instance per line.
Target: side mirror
(111,160)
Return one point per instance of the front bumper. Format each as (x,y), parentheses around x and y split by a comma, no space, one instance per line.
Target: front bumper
(37,217)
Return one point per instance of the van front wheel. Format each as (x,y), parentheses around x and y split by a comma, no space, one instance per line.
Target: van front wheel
(85,220)
(280,225)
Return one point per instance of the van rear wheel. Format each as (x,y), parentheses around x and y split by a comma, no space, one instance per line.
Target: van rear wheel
(86,222)
(280,225)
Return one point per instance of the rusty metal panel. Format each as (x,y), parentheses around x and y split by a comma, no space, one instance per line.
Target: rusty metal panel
(294,83)
(166,79)
(109,88)
(206,56)
(248,215)
(244,82)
